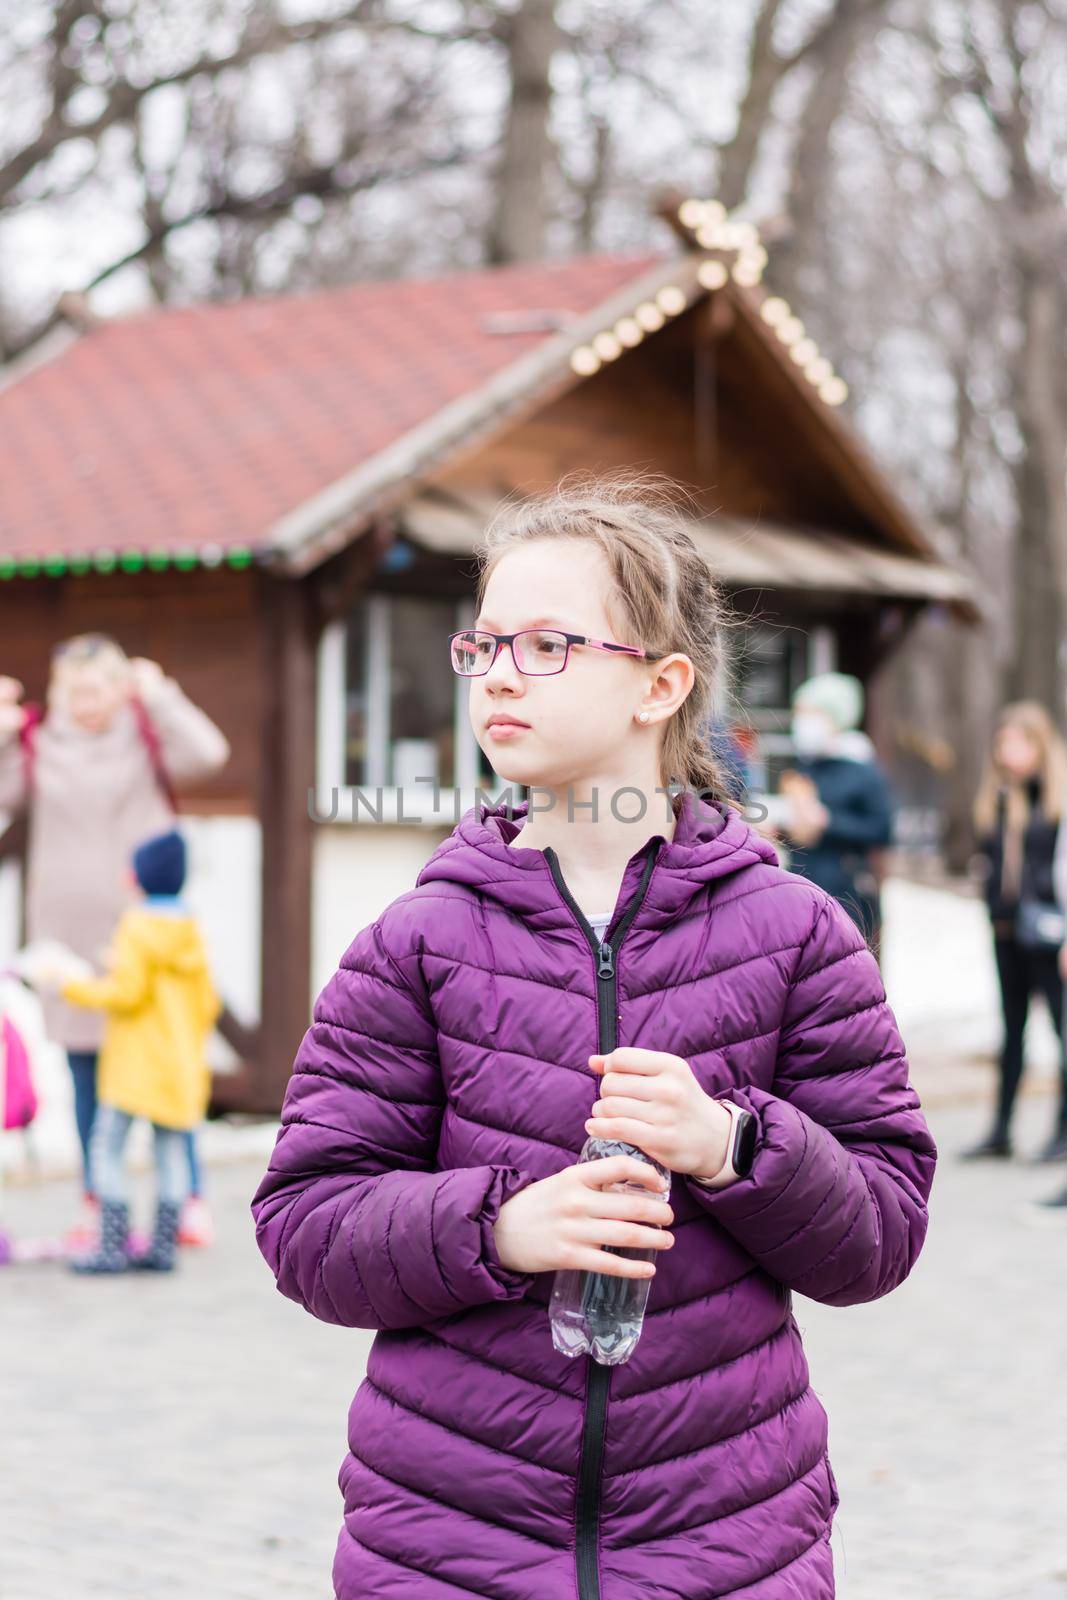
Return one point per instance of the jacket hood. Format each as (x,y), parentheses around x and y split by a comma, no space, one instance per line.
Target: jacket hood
(172,942)
(710,841)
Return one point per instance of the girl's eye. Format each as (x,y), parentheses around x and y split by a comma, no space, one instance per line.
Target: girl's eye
(549,644)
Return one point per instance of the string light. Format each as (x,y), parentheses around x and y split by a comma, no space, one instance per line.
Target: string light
(585,361)
(747,276)
(774,310)
(81,562)
(671,300)
(803,351)
(649,316)
(818,371)
(691,213)
(629,332)
(607,346)
(712,274)
(790,330)
(834,391)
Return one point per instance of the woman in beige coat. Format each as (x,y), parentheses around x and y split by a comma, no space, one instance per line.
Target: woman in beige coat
(95,776)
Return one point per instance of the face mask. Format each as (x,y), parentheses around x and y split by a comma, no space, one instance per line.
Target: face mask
(812,734)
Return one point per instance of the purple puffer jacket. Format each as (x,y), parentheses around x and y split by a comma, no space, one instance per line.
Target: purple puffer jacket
(446,1070)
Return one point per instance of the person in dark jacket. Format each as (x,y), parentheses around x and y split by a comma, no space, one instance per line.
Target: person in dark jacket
(840,811)
(1017,816)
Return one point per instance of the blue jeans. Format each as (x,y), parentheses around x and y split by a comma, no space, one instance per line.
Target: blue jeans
(83,1071)
(195,1179)
(108,1143)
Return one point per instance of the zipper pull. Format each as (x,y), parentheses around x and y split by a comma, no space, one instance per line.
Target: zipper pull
(605,966)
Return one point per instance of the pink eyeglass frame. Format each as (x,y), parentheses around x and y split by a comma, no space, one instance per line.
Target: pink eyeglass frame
(509,640)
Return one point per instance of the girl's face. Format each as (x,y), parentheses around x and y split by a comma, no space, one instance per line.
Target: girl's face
(90,694)
(1016,754)
(578,725)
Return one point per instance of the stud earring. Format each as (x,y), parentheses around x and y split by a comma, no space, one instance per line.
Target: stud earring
(642,716)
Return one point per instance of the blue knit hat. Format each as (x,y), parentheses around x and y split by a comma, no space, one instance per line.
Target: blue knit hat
(159,863)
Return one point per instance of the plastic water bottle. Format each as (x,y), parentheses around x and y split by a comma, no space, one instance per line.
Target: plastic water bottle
(597,1312)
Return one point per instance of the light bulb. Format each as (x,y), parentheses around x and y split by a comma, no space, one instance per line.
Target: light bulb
(584,361)
(671,300)
(803,351)
(691,213)
(790,330)
(628,332)
(774,310)
(649,316)
(834,391)
(607,347)
(712,274)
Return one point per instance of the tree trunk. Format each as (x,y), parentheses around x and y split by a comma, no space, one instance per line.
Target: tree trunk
(1040,599)
(520,223)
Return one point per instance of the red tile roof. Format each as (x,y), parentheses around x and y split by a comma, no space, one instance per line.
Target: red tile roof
(201,426)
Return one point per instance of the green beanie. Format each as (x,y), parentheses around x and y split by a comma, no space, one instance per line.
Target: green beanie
(836,693)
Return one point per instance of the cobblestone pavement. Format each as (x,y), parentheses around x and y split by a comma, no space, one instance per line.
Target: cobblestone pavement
(180,1438)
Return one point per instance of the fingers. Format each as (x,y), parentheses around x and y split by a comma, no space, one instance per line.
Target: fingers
(629,1058)
(628,1208)
(617,1105)
(617,1169)
(586,1259)
(624,1235)
(628,1130)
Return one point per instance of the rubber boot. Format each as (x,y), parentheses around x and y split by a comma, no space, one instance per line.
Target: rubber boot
(162,1253)
(112,1253)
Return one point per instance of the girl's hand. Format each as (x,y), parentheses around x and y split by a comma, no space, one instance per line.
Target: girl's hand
(563,1220)
(652,1099)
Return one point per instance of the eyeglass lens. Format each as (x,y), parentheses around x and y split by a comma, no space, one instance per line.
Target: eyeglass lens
(537,651)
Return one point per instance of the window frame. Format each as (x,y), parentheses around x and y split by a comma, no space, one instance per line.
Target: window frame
(407,805)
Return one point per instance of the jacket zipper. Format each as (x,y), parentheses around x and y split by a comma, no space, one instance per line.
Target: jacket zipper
(598,1376)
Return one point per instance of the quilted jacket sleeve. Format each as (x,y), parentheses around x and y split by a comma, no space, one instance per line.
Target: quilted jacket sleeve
(354,1218)
(835,1204)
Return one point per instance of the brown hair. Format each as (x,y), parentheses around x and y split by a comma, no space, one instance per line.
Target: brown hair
(665,596)
(1033,720)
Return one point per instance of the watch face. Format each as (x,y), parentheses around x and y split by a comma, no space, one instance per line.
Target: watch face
(744,1144)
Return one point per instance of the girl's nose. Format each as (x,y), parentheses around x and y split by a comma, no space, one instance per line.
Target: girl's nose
(503,669)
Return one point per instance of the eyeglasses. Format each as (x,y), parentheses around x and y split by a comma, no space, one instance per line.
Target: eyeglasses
(536,652)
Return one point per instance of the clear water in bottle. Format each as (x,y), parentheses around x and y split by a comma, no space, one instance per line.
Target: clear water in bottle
(596,1312)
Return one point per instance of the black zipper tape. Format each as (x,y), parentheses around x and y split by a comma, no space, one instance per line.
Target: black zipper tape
(598,1376)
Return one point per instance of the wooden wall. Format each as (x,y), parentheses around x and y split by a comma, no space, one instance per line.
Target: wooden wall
(704,404)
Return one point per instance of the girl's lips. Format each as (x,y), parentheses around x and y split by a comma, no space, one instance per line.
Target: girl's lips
(506,730)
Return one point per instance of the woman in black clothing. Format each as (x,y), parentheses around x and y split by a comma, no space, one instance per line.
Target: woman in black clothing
(1017,816)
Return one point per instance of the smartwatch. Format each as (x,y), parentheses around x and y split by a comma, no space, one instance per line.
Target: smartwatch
(740,1152)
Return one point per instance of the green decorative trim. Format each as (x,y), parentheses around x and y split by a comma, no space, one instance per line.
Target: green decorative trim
(238,558)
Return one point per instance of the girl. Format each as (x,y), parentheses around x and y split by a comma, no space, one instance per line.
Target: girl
(425,1181)
(95,776)
(1017,816)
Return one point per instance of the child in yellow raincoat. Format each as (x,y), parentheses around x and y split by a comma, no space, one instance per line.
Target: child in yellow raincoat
(160,1005)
